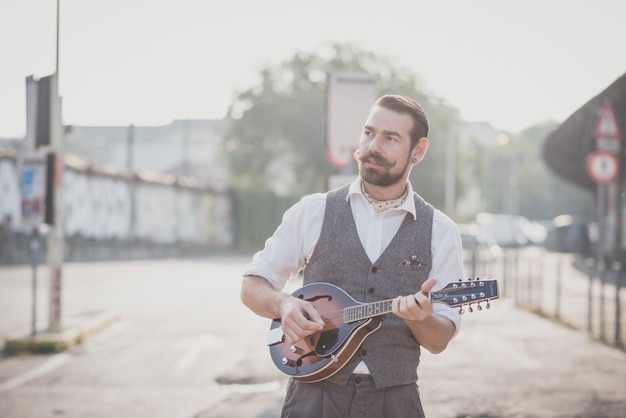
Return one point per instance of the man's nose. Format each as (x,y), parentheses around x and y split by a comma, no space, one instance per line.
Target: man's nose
(374,145)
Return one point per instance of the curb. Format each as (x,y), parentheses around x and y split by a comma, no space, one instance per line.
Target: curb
(46,342)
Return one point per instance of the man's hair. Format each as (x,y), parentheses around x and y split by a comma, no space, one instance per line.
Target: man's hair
(404,104)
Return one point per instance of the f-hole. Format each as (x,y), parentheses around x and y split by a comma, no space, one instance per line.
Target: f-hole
(316,298)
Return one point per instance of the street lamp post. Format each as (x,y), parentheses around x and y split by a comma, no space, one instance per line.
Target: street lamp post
(57,233)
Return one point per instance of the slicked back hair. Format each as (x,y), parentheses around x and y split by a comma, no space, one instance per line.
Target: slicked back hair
(404,104)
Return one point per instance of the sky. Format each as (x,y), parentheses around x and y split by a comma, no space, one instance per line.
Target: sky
(511,63)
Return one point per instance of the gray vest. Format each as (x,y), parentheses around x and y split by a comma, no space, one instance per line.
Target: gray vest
(391,353)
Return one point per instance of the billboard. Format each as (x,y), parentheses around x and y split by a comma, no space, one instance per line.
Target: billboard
(349,98)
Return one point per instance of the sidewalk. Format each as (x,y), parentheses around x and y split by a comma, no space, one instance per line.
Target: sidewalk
(16,315)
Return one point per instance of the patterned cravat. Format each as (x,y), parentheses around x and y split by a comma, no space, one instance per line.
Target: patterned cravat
(383,205)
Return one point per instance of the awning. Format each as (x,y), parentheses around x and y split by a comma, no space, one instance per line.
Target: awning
(566,149)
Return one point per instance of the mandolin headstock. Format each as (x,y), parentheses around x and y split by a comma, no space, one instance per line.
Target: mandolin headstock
(469,292)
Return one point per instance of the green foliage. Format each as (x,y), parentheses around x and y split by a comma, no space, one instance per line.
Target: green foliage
(275,146)
(275,142)
(276,135)
(515,178)
(257,214)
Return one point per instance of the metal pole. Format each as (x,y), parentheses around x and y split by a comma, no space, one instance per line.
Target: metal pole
(450,182)
(57,236)
(601,252)
(57,39)
(34,249)
(186,147)
(474,260)
(130,148)
(617,267)
(559,275)
(590,270)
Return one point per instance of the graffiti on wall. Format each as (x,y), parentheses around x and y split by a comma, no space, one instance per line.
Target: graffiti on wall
(10,213)
(104,206)
(96,206)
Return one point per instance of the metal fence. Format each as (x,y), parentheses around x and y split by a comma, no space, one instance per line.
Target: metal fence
(563,287)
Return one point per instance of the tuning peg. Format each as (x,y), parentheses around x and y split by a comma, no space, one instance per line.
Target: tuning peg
(461,310)
(479,307)
(488,305)
(470,309)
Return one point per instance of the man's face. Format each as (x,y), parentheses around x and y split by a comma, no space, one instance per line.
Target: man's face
(384,153)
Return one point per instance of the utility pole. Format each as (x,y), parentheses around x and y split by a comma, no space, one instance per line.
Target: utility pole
(450,182)
(41,161)
(56,247)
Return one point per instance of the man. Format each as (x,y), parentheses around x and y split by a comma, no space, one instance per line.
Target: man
(376,239)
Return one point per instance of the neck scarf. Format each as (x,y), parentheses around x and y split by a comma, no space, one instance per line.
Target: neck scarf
(382,205)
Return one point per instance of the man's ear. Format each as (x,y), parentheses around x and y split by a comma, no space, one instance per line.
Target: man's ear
(419,151)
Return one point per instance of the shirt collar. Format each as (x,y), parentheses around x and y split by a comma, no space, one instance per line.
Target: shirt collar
(407,206)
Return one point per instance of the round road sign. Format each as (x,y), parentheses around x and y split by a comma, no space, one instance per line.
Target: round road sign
(602,166)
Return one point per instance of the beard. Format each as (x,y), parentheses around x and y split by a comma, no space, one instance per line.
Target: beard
(382,177)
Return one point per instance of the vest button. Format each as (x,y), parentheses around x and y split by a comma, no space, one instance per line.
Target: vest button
(371,290)
(357,380)
(363,353)
(374,269)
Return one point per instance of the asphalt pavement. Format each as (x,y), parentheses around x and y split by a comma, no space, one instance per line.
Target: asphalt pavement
(505,363)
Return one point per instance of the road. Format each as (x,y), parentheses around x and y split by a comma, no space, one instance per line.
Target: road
(185,347)
(181,326)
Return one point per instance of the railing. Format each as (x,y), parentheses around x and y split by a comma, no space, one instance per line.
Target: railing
(563,287)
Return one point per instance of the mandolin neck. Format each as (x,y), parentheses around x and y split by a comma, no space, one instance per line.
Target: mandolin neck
(367,310)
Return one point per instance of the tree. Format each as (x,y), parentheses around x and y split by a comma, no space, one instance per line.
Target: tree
(517,180)
(275,139)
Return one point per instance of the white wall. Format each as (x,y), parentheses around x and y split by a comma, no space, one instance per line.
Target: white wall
(100,206)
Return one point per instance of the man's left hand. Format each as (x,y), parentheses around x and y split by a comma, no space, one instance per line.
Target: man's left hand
(415,307)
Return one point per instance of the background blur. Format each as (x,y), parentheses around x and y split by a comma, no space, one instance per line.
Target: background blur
(148,147)
(188,128)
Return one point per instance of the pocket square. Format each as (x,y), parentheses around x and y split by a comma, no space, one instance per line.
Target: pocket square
(412,261)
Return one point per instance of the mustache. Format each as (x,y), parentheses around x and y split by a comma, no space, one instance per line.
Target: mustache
(378,159)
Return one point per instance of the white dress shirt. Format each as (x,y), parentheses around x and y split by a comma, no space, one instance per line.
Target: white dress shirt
(291,246)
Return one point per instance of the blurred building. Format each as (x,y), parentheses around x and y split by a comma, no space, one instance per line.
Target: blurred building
(189,148)
(479,132)
(129,192)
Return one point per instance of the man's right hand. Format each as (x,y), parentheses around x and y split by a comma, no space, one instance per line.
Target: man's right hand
(299,319)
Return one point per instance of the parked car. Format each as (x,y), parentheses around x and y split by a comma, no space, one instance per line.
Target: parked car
(510,230)
(569,234)
(469,235)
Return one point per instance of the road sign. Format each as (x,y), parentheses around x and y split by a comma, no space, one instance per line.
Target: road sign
(602,166)
(33,189)
(607,127)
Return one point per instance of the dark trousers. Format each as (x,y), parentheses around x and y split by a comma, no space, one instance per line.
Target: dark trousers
(358,399)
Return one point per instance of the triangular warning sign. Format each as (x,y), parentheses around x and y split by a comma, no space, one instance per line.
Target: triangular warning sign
(607,124)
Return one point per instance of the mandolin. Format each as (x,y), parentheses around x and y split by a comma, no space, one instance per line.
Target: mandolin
(347,322)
